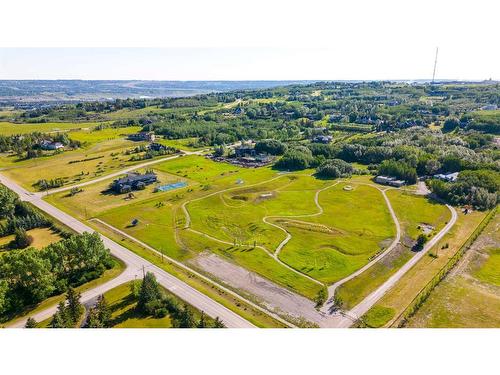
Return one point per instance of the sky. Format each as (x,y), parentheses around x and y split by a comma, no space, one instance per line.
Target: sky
(258,40)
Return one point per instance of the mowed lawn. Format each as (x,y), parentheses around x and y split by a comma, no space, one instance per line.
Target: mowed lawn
(354,226)
(155,225)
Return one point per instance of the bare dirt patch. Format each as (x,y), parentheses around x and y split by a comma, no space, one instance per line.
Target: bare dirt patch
(273,297)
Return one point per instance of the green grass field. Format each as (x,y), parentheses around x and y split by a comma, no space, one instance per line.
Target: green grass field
(355,225)
(457,303)
(92,136)
(377,317)
(489,271)
(413,210)
(9,128)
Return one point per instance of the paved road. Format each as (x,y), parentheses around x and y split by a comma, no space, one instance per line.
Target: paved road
(134,266)
(120,172)
(365,305)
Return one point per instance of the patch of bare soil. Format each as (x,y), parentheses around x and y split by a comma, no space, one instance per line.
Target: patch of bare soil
(274,297)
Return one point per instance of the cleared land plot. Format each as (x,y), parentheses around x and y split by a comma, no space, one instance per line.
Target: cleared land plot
(274,297)
(470,295)
(412,211)
(253,259)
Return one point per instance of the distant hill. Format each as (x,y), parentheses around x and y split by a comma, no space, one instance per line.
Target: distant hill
(16,91)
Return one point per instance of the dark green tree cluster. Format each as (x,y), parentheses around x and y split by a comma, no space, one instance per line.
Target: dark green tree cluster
(335,168)
(152,301)
(44,184)
(28,145)
(479,189)
(398,169)
(271,146)
(69,312)
(30,276)
(297,158)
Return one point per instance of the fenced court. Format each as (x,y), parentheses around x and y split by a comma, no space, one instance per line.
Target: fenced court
(168,187)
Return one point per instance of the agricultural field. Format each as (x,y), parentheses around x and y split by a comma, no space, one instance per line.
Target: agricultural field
(470,295)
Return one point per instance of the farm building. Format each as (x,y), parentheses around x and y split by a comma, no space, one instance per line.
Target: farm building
(391,181)
(143,136)
(49,145)
(133,181)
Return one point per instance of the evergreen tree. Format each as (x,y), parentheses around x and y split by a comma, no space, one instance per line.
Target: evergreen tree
(74,308)
(218,323)
(150,292)
(59,319)
(202,323)
(103,311)
(186,318)
(93,320)
(31,323)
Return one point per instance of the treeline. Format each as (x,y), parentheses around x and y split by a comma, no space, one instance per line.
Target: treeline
(19,215)
(29,276)
(479,189)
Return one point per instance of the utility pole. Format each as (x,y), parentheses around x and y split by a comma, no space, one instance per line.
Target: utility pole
(143,272)
(435,64)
